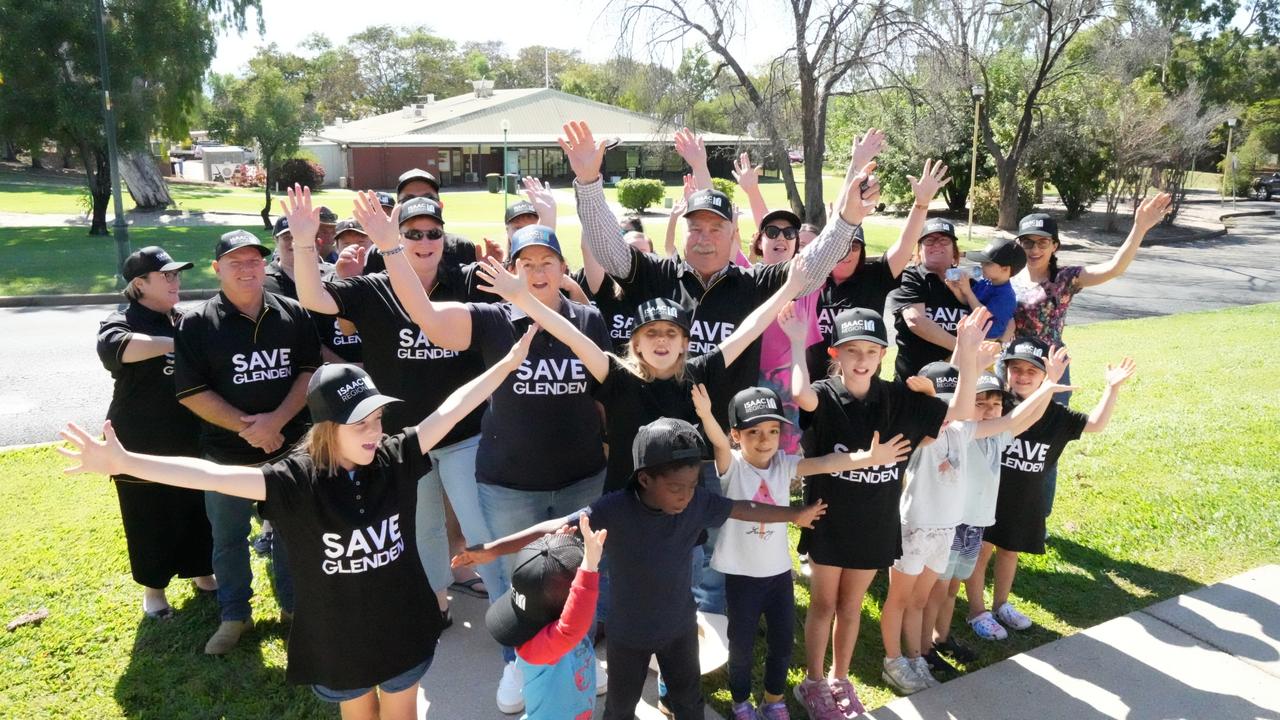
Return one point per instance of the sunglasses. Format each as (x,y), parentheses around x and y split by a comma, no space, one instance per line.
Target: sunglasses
(932,240)
(773,231)
(432,234)
(171,275)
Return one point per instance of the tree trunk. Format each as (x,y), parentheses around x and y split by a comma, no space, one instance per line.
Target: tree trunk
(957,195)
(35,158)
(1008,173)
(146,186)
(266,189)
(10,151)
(98,178)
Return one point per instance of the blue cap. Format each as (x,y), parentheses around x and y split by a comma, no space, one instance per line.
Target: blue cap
(534,235)
(281,226)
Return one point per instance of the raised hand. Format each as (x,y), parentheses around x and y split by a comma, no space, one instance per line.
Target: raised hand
(921,385)
(701,400)
(351,261)
(304,218)
(971,330)
(383,229)
(1055,366)
(518,352)
(689,187)
(493,251)
(585,154)
(104,457)
(1152,211)
(859,194)
(540,195)
(867,147)
(797,275)
(746,175)
(501,281)
(932,179)
(592,543)
(810,514)
(988,352)
(796,327)
(1116,375)
(690,147)
(893,452)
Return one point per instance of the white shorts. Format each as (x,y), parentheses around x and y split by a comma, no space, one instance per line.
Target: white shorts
(924,547)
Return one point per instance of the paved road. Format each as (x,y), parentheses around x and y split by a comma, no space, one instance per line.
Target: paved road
(53,374)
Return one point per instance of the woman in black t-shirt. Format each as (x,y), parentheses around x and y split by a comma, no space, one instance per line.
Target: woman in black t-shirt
(165,529)
(926,310)
(366,623)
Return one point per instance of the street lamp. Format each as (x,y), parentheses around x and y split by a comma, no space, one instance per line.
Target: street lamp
(506,127)
(1231,163)
(109,122)
(978,93)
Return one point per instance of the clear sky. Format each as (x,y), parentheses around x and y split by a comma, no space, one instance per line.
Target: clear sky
(569,24)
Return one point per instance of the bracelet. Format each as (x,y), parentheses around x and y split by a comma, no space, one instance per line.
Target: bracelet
(922,207)
(396,251)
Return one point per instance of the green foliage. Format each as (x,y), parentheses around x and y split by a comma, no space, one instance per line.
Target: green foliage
(1263,121)
(1077,173)
(986,200)
(1251,157)
(637,194)
(300,171)
(726,186)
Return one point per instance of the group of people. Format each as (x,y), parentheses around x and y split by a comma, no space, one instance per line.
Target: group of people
(401,404)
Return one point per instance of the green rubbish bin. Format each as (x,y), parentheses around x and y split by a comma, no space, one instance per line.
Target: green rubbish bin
(513,182)
(494,181)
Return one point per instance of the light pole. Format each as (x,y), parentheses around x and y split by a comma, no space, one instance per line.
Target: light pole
(109,120)
(1231,163)
(978,93)
(506,127)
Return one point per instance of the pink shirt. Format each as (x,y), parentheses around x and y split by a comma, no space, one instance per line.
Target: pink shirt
(775,365)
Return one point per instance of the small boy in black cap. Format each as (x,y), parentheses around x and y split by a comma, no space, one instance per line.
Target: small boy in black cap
(657,521)
(1001,259)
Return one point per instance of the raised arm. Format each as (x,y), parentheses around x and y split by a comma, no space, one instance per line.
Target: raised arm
(893,452)
(754,325)
(852,206)
(108,457)
(447,325)
(600,232)
(798,333)
(748,178)
(1115,376)
(932,179)
(969,334)
(488,552)
(542,199)
(514,290)
(669,248)
(711,428)
(304,221)
(690,147)
(1150,212)
(803,516)
(462,401)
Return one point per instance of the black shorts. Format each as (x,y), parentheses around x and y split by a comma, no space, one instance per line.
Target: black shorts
(862,528)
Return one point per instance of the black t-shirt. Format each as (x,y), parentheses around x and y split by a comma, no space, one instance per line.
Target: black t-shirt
(719,309)
(619,312)
(940,305)
(346,347)
(458,252)
(541,430)
(365,611)
(650,601)
(144,412)
(251,363)
(1020,504)
(400,358)
(630,403)
(866,288)
(862,526)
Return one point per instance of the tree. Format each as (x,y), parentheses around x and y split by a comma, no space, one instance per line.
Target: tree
(261,109)
(158,50)
(830,40)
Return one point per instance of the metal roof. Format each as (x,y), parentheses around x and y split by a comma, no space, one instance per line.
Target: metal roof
(535,117)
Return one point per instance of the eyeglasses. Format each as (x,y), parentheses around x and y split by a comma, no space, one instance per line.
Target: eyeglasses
(773,231)
(934,240)
(432,234)
(1030,243)
(171,275)
(246,264)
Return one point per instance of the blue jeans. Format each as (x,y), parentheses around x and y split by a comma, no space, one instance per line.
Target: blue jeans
(749,599)
(453,473)
(1051,472)
(508,511)
(708,583)
(399,683)
(229,520)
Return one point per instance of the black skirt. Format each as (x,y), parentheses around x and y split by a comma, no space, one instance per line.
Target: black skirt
(1019,516)
(862,528)
(166,531)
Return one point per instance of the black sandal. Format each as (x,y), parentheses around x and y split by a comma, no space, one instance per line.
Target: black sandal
(468,587)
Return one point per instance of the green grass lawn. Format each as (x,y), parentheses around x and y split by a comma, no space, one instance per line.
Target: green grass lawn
(1182,490)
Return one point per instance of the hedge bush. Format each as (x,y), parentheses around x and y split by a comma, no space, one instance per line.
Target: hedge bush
(726,186)
(302,171)
(986,200)
(637,194)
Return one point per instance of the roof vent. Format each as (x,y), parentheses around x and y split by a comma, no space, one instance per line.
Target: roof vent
(414,110)
(483,88)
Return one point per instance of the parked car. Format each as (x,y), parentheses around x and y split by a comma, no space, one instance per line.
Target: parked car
(1267,186)
(795,157)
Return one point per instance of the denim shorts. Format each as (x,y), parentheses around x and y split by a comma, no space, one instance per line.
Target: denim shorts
(403,681)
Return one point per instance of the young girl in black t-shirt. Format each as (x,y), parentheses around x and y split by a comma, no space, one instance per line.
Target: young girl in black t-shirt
(863,534)
(343,504)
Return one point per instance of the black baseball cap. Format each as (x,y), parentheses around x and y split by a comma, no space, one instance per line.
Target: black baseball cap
(521,208)
(859,236)
(711,201)
(860,324)
(281,227)
(944,376)
(344,394)
(541,578)
(939,225)
(663,441)
(989,382)
(657,309)
(150,259)
(352,225)
(421,207)
(1038,224)
(1032,350)
(409,176)
(534,235)
(792,219)
(386,200)
(1001,251)
(236,239)
(754,406)
(327,216)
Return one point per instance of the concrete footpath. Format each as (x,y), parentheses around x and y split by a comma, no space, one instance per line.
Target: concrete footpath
(1213,653)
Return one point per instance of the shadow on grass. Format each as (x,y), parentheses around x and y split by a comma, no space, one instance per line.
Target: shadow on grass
(169,676)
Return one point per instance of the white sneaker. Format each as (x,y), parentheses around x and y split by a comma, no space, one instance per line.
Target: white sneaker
(602,679)
(511,690)
(1010,616)
(921,666)
(901,676)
